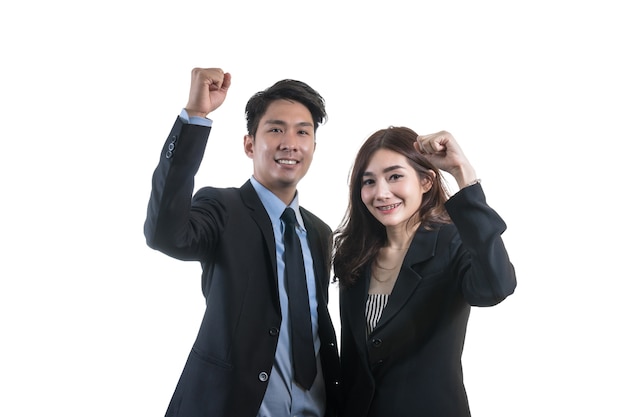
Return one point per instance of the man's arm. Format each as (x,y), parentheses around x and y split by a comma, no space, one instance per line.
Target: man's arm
(169,208)
(172,187)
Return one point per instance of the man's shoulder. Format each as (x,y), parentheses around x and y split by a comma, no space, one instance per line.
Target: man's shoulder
(312,219)
(226,195)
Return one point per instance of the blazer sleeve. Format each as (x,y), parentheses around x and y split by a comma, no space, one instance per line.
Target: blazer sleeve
(168,221)
(488,275)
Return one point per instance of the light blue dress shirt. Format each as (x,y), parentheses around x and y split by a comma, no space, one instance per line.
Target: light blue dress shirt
(195,120)
(283,397)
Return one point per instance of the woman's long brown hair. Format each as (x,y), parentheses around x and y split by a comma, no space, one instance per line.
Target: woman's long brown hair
(360,235)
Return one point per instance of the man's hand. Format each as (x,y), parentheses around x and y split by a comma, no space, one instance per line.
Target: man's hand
(208,90)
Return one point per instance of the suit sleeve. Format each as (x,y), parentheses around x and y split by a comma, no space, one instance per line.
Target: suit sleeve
(488,275)
(168,222)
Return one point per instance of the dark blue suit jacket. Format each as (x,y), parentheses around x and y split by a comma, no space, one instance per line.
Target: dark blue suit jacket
(229,232)
(410,365)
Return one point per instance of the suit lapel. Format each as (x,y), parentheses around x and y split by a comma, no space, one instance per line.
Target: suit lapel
(353,306)
(422,248)
(405,285)
(320,258)
(260,216)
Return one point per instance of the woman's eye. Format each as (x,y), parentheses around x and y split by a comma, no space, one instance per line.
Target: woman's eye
(395,177)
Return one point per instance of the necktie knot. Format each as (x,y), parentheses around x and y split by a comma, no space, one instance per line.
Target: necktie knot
(289,216)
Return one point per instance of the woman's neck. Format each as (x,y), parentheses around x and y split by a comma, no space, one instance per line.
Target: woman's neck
(399,238)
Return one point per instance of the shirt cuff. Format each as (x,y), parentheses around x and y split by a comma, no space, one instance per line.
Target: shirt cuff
(195,120)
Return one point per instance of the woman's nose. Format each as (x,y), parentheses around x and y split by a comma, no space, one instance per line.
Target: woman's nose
(382,191)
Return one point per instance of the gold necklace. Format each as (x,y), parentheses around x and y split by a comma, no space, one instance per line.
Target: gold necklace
(391,274)
(382,281)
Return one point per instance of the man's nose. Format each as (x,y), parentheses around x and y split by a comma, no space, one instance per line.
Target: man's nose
(289,140)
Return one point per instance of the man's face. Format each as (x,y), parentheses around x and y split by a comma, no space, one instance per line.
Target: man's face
(282,150)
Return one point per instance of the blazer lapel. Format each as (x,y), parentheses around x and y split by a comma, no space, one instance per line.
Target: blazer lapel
(353,306)
(259,215)
(422,248)
(320,258)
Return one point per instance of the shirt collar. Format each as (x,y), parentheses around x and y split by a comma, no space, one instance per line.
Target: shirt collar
(274,205)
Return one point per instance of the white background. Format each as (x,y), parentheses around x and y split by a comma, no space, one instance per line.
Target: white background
(94,323)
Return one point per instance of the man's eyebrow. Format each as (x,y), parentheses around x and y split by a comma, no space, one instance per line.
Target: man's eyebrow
(283,123)
(275,122)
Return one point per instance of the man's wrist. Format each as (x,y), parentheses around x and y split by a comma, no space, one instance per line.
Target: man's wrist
(195,120)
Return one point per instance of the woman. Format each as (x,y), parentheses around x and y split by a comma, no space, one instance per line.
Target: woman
(411,261)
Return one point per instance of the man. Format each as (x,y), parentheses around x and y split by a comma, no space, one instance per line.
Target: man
(241,362)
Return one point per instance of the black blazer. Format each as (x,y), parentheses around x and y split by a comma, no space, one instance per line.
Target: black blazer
(230,233)
(410,365)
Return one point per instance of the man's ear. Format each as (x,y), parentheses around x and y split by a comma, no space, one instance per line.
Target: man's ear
(248,145)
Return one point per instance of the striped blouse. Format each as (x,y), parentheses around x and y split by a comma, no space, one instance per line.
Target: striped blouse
(374,309)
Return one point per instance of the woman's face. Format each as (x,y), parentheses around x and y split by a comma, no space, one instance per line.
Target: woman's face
(391,189)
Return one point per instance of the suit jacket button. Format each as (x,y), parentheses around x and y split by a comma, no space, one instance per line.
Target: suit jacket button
(273,331)
(377,342)
(263,376)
